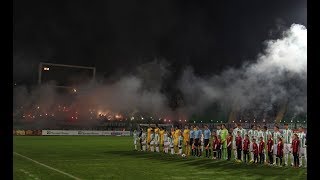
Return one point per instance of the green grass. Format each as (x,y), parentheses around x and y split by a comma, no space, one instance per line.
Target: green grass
(98,157)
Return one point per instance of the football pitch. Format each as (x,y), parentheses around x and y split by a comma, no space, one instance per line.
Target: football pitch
(109,157)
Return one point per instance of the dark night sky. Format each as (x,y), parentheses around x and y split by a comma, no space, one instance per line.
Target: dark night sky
(113,35)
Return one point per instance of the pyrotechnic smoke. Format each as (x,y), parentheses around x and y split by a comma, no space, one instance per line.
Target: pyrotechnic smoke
(279,75)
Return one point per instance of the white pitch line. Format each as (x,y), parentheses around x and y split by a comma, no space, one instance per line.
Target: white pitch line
(49,167)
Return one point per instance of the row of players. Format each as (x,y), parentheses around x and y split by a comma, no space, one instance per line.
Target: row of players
(256,143)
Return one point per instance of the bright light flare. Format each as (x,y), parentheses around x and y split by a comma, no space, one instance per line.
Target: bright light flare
(46,69)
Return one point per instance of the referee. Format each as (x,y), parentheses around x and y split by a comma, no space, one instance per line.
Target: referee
(207,134)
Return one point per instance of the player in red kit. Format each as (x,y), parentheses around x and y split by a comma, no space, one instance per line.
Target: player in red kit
(229,145)
(218,146)
(279,151)
(295,150)
(246,144)
(239,145)
(261,150)
(270,149)
(255,151)
(214,150)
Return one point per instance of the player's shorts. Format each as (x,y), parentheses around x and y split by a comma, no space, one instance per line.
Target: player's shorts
(202,143)
(275,147)
(191,141)
(151,142)
(166,143)
(144,142)
(251,146)
(134,142)
(206,142)
(303,152)
(234,146)
(196,142)
(286,148)
(156,142)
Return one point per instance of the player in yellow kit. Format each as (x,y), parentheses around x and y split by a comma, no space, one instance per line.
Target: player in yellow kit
(149,137)
(156,132)
(186,137)
(161,132)
(176,138)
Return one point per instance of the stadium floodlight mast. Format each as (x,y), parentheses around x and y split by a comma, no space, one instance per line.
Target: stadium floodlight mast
(43,66)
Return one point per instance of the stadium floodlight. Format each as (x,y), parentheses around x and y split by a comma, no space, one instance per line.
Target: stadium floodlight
(142,118)
(38,107)
(43,72)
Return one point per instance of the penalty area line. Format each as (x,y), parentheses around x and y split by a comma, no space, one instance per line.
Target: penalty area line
(49,167)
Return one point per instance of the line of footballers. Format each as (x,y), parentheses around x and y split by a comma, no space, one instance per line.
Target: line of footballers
(257,145)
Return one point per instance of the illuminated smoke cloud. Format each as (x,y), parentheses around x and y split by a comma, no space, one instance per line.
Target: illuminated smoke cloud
(279,75)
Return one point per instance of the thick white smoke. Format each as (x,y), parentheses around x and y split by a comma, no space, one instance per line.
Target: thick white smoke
(278,76)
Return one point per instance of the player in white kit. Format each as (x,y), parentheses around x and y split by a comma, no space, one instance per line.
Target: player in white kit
(143,140)
(165,141)
(234,146)
(135,139)
(303,147)
(202,143)
(276,135)
(266,133)
(252,133)
(170,140)
(152,143)
(180,142)
(287,139)
(243,132)
(156,141)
